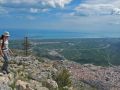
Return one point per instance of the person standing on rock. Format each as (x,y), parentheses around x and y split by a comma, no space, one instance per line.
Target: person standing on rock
(5,51)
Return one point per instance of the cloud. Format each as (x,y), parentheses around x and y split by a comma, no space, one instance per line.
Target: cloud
(3,11)
(35,3)
(33,10)
(98,7)
(31,6)
(36,10)
(116,11)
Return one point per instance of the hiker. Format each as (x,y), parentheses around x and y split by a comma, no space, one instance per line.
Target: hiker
(5,52)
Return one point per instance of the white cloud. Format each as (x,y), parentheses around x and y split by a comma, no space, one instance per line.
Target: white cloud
(116,11)
(39,3)
(32,6)
(3,11)
(45,10)
(34,10)
(99,7)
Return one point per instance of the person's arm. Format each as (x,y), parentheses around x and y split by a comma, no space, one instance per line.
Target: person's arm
(1,52)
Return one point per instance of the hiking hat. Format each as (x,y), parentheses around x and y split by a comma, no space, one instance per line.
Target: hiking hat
(6,34)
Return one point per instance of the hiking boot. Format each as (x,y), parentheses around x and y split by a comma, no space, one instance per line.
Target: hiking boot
(7,71)
(4,72)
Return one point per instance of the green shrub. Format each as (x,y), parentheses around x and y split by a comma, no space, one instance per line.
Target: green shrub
(63,79)
(13,85)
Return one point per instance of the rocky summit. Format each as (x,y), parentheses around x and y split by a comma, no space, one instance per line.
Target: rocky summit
(28,73)
(33,73)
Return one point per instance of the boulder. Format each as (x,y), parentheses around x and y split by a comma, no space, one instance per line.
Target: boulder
(42,88)
(4,86)
(4,79)
(35,85)
(68,88)
(4,83)
(21,85)
(51,84)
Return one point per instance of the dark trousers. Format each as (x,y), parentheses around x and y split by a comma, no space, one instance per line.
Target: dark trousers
(6,59)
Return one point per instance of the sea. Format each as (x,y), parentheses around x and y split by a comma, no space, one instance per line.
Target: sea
(56,34)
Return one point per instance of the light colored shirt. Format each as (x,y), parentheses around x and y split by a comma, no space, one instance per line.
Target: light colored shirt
(6,44)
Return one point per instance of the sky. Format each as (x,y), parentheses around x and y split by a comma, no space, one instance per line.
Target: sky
(69,15)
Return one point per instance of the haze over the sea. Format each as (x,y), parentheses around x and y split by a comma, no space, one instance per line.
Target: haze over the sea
(55,34)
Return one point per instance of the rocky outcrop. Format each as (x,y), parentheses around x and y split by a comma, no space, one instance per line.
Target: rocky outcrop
(51,84)
(4,80)
(4,86)
(27,73)
(22,85)
(98,84)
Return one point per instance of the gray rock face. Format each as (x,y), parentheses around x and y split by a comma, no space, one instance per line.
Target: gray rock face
(22,85)
(42,88)
(98,84)
(51,84)
(27,73)
(4,87)
(4,83)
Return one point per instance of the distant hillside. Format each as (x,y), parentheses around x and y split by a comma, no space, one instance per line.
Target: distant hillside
(98,51)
